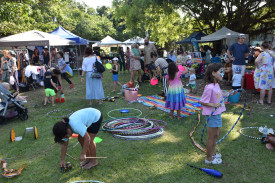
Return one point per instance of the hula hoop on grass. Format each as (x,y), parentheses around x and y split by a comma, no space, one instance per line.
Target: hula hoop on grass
(128,121)
(222,101)
(241,132)
(140,113)
(57,110)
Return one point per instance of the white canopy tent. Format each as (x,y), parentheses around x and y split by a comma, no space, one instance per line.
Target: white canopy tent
(136,39)
(34,38)
(108,41)
(224,33)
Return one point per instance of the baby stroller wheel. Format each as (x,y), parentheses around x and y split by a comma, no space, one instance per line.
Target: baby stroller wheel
(23,115)
(3,120)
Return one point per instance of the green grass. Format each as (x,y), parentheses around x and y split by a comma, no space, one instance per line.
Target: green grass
(152,161)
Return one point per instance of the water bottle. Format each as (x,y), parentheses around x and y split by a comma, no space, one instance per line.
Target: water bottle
(265,131)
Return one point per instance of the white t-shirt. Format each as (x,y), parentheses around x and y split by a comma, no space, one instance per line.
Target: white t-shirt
(237,80)
(192,77)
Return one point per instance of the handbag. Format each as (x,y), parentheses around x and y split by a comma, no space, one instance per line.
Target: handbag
(99,67)
(96,75)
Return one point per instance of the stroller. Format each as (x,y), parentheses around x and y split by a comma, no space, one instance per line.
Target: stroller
(11,107)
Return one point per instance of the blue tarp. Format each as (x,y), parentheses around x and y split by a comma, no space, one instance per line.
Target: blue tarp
(60,31)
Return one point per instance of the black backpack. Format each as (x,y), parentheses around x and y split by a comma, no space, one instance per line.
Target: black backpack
(99,67)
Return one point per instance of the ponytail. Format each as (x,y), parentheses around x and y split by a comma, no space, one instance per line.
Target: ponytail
(60,130)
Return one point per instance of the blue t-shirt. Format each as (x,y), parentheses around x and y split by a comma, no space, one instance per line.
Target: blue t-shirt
(239,51)
(82,119)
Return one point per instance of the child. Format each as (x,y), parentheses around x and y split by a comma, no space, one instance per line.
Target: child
(175,99)
(49,88)
(237,79)
(192,80)
(62,65)
(129,84)
(115,73)
(211,97)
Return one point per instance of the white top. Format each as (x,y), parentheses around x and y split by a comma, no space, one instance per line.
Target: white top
(237,80)
(88,63)
(192,77)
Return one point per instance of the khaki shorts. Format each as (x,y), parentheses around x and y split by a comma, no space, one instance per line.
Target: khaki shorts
(49,92)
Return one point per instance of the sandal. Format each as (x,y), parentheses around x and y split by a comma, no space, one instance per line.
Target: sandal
(214,161)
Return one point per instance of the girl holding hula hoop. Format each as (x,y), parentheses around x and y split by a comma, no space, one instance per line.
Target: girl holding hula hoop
(85,122)
(211,97)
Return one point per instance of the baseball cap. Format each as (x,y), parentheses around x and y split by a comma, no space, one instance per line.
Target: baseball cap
(238,70)
(115,58)
(242,36)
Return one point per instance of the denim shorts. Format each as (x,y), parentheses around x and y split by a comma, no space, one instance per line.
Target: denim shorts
(115,77)
(214,121)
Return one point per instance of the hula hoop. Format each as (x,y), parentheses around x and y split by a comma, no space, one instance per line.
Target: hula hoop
(107,127)
(57,110)
(256,138)
(222,101)
(139,129)
(95,181)
(140,113)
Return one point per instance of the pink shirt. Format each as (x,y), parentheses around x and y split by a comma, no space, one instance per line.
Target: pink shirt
(212,94)
(177,80)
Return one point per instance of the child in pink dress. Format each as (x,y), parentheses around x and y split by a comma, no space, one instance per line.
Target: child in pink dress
(175,99)
(211,97)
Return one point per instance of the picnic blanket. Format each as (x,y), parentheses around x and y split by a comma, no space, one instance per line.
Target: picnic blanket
(159,103)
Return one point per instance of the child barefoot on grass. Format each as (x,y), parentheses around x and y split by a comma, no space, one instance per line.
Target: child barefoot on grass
(115,73)
(49,88)
(175,99)
(211,97)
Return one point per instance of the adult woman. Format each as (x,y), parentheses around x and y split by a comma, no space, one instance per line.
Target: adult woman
(46,57)
(35,56)
(264,74)
(94,89)
(85,122)
(135,63)
(203,54)
(12,68)
(121,59)
(62,65)
(54,58)
(4,67)
(127,55)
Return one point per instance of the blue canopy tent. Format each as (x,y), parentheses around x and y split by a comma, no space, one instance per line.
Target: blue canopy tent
(196,35)
(61,32)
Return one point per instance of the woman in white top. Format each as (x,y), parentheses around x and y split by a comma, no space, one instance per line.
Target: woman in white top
(94,89)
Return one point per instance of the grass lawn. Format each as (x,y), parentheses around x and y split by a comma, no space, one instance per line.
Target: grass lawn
(162,159)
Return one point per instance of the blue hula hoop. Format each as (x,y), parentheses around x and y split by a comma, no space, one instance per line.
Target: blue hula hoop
(241,113)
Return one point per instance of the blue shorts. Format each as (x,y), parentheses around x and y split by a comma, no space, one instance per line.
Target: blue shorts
(115,77)
(214,121)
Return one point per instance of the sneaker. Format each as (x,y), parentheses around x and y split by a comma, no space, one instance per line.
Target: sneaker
(214,161)
(217,156)
(72,85)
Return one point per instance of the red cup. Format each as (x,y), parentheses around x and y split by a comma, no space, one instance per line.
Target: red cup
(57,100)
(62,100)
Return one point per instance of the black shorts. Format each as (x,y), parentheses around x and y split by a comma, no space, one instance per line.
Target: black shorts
(94,128)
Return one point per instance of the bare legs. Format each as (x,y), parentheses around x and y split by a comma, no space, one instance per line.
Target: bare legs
(213,134)
(115,84)
(172,114)
(91,152)
(47,100)
(262,95)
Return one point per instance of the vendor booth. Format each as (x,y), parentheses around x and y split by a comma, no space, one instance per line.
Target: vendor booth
(31,39)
